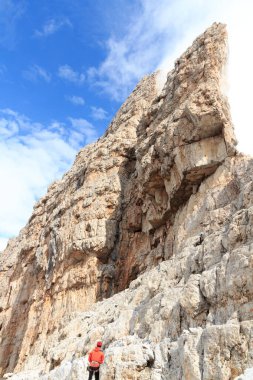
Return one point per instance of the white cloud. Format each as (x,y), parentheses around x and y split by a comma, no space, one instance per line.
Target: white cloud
(84,128)
(159,32)
(240,79)
(76,100)
(31,157)
(153,33)
(3,243)
(35,72)
(52,26)
(98,113)
(66,72)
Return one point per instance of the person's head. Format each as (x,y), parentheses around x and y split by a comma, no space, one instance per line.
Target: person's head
(99,344)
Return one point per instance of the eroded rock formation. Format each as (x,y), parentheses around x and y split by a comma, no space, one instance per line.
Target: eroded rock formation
(146,243)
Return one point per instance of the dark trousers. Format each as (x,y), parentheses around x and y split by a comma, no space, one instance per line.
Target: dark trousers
(95,373)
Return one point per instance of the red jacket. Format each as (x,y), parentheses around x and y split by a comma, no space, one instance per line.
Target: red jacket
(96,357)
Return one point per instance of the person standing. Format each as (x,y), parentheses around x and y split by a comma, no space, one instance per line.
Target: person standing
(96,358)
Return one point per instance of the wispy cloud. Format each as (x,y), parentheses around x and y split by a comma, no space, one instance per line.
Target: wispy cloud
(52,26)
(67,73)
(83,128)
(76,100)
(35,72)
(32,155)
(98,113)
(3,243)
(10,14)
(158,33)
(3,70)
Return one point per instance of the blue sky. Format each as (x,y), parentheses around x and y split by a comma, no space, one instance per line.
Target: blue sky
(67,65)
(46,52)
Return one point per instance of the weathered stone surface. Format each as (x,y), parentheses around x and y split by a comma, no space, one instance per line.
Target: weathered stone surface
(146,243)
(60,261)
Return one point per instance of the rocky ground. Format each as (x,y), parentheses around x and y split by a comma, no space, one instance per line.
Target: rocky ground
(145,244)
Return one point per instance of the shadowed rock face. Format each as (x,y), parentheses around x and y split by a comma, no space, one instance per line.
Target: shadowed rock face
(181,140)
(156,217)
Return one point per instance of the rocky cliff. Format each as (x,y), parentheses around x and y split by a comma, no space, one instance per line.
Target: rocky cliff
(146,243)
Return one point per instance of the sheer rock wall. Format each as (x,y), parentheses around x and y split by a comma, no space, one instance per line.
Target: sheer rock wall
(156,216)
(60,261)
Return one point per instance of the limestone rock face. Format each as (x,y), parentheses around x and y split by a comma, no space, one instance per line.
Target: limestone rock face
(61,262)
(145,244)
